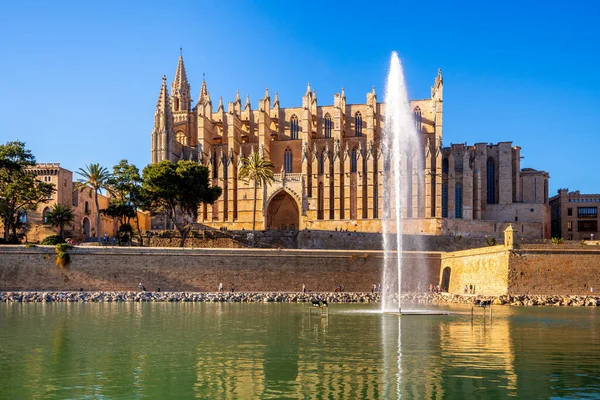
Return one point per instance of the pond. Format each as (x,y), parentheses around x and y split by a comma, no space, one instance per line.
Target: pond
(244,351)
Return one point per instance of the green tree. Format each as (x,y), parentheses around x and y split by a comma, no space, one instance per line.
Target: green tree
(178,190)
(94,178)
(59,216)
(260,171)
(126,184)
(19,191)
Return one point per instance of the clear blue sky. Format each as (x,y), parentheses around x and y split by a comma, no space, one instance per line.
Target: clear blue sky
(80,79)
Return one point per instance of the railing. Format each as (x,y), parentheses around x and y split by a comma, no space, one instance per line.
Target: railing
(289,177)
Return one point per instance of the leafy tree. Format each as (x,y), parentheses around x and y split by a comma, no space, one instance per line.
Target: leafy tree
(59,216)
(126,184)
(94,178)
(19,190)
(259,170)
(178,190)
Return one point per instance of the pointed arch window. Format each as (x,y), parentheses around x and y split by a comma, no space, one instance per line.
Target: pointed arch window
(322,162)
(321,201)
(358,123)
(445,166)
(215,165)
(45,214)
(294,127)
(444,200)
(491,181)
(458,205)
(418,119)
(328,126)
(353,161)
(288,160)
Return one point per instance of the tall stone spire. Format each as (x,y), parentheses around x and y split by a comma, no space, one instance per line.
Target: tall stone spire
(180,90)
(203,92)
(163,122)
(247,105)
(221,108)
(276,98)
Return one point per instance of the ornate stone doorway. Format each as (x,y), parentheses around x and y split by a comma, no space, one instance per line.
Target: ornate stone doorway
(282,212)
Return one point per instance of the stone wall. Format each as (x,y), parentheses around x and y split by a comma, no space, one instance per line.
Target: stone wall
(483,271)
(527,270)
(113,269)
(550,270)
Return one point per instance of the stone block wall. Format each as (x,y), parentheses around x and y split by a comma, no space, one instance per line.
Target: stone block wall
(486,269)
(106,268)
(550,270)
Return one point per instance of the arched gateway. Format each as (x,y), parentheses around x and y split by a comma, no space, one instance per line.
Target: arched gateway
(282,212)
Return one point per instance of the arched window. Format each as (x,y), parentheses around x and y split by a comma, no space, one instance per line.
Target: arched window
(45,214)
(321,201)
(491,181)
(353,161)
(358,123)
(328,125)
(294,127)
(445,165)
(287,160)
(215,165)
(86,208)
(458,201)
(418,119)
(444,200)
(322,162)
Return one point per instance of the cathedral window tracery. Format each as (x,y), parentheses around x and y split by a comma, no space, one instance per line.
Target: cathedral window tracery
(418,119)
(328,126)
(458,202)
(288,160)
(294,127)
(358,123)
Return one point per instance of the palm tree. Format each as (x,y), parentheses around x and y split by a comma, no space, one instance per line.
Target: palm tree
(260,170)
(59,216)
(95,178)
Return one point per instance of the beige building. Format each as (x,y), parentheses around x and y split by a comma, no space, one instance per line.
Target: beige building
(82,203)
(329,165)
(575,215)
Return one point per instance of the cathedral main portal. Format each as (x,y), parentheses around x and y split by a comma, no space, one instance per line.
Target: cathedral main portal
(282,212)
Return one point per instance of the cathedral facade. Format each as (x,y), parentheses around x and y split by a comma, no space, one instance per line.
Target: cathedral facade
(329,165)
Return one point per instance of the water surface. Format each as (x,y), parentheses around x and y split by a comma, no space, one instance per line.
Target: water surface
(239,351)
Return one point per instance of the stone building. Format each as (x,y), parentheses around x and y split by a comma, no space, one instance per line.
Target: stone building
(575,215)
(329,165)
(82,203)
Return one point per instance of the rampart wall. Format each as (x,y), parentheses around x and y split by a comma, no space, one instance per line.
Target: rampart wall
(108,268)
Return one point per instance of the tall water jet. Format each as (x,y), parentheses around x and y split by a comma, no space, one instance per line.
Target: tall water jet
(402,163)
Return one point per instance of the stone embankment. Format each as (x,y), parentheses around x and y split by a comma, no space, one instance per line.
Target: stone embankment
(276,297)
(237,297)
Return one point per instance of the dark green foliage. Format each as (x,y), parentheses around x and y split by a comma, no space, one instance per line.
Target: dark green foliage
(94,178)
(62,256)
(178,190)
(59,216)
(126,184)
(52,240)
(19,191)
(491,241)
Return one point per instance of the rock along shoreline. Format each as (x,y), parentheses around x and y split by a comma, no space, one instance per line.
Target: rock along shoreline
(283,297)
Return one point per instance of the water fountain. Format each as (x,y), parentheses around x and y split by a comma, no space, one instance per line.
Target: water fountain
(401,151)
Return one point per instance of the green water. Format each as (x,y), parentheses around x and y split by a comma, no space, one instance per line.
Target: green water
(244,351)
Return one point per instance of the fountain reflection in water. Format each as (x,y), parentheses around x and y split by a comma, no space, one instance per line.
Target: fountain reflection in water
(401,151)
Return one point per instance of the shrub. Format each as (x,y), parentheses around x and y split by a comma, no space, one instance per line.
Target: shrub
(52,240)
(491,241)
(30,245)
(62,247)
(62,260)
(62,257)
(557,240)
